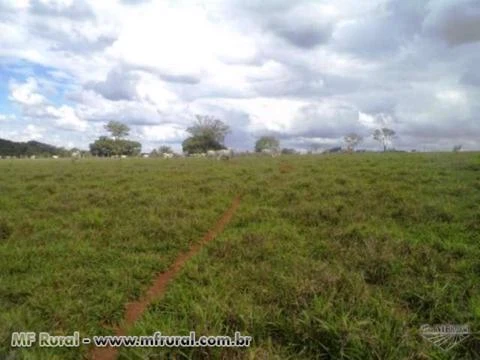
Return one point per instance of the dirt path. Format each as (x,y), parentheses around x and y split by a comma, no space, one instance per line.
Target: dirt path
(134,310)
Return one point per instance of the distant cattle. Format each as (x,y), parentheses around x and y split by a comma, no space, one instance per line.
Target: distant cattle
(224,154)
(270,152)
(198,155)
(123,156)
(54,156)
(211,153)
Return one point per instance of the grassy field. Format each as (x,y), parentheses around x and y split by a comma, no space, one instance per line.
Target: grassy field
(327,257)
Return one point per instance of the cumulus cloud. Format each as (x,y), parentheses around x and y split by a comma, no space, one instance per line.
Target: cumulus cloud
(119,85)
(306,71)
(36,106)
(27,133)
(26,94)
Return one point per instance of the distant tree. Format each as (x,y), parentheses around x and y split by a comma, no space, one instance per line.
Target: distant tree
(117,129)
(165,149)
(103,147)
(352,140)
(267,143)
(207,133)
(286,151)
(384,136)
(130,148)
(26,149)
(200,144)
(106,147)
(161,150)
(457,148)
(116,145)
(209,127)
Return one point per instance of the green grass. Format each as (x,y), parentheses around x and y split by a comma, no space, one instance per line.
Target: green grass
(327,257)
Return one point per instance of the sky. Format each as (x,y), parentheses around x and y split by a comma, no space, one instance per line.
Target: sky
(306,71)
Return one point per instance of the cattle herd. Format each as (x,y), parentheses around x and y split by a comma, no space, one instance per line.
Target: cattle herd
(224,154)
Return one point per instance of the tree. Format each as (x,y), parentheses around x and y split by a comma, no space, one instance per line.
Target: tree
(161,150)
(207,133)
(200,144)
(130,148)
(165,149)
(286,151)
(103,146)
(106,147)
(117,129)
(352,140)
(267,142)
(384,136)
(457,148)
(116,145)
(209,127)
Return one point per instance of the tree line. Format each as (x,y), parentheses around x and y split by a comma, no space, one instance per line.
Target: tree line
(205,133)
(208,133)
(30,148)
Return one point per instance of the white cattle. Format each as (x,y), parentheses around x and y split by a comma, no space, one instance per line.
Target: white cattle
(123,156)
(198,155)
(167,155)
(270,152)
(225,154)
(211,153)
(54,156)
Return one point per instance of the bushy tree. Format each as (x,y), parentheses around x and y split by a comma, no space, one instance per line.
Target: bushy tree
(286,151)
(384,136)
(105,147)
(209,127)
(165,149)
(117,129)
(207,133)
(267,142)
(116,145)
(201,144)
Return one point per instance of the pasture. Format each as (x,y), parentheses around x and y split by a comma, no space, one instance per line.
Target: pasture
(327,257)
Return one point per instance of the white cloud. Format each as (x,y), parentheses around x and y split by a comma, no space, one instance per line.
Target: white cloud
(27,133)
(7,117)
(26,93)
(299,69)
(37,106)
(66,118)
(162,133)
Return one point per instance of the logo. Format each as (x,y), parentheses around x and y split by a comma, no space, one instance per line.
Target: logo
(445,336)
